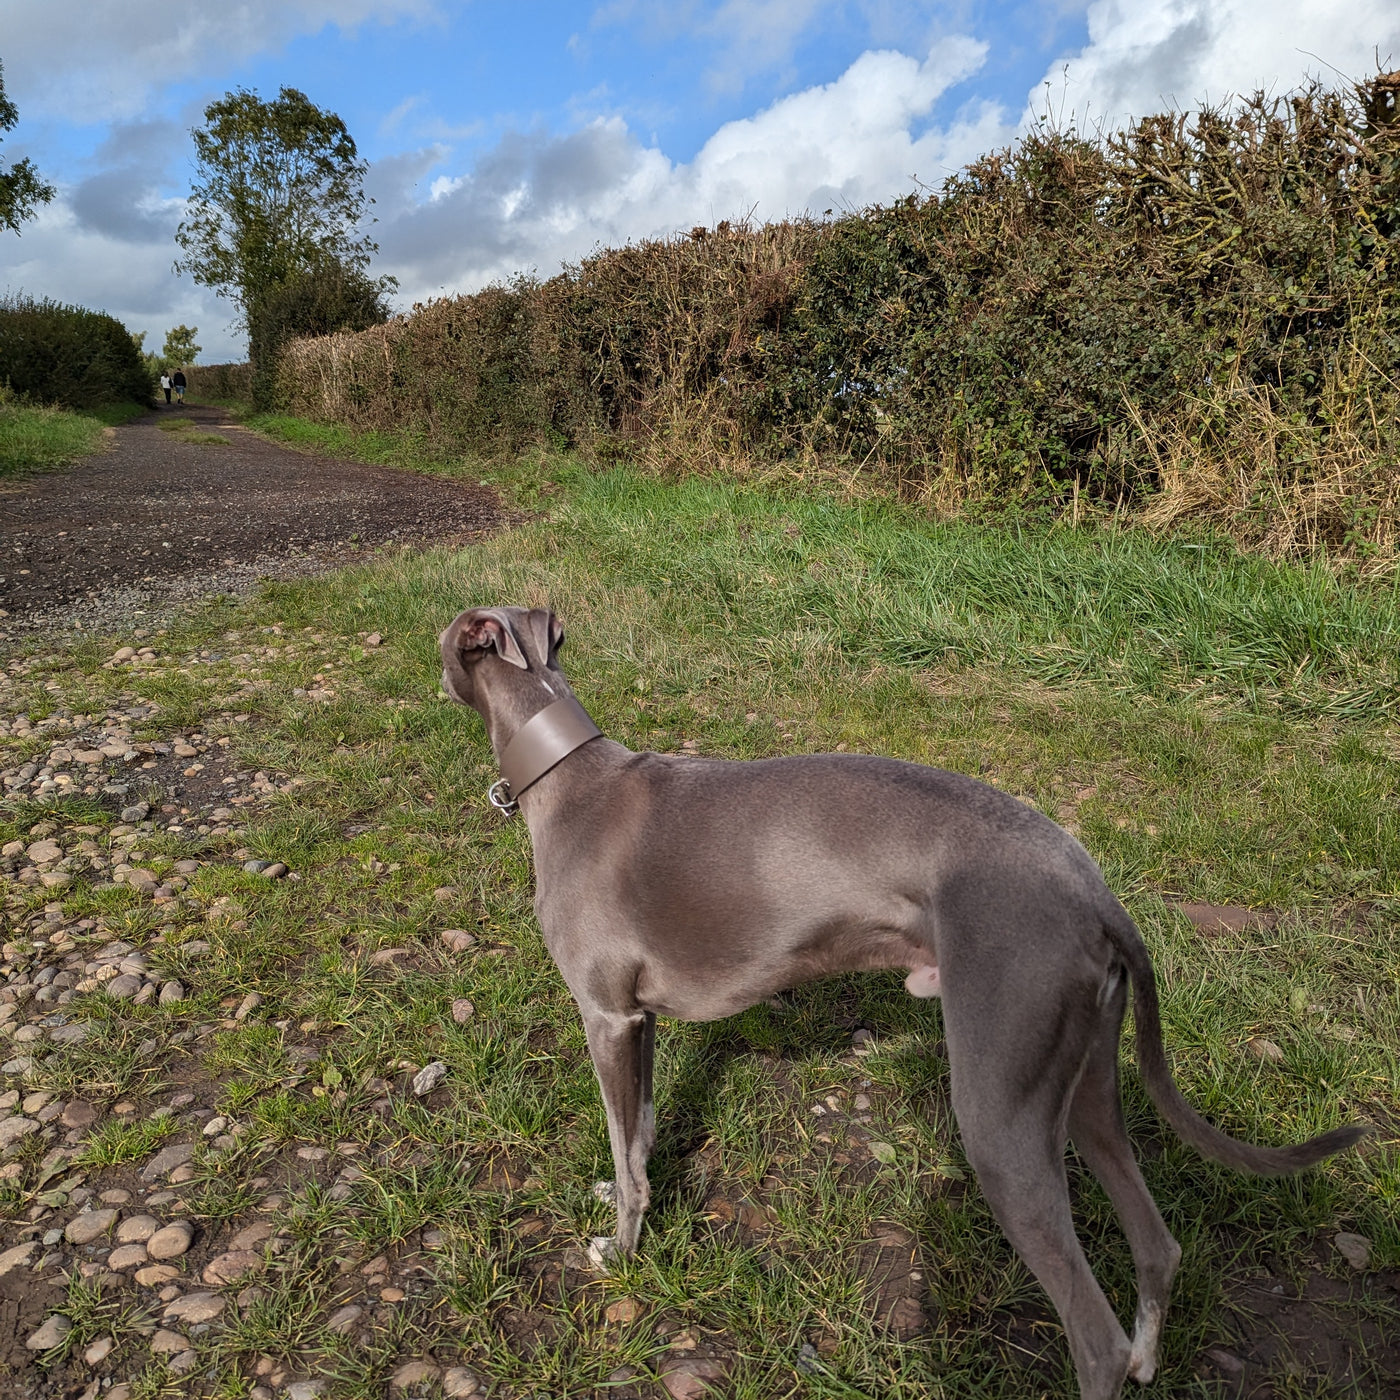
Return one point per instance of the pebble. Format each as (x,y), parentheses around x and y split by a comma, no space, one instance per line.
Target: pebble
(172,992)
(124,986)
(429,1077)
(77,1114)
(166,1342)
(692,1378)
(195,1308)
(391,1295)
(50,1334)
(623,1311)
(462,1011)
(233,1264)
(172,1241)
(414,1373)
(137,1229)
(98,1350)
(251,1236)
(13,1129)
(85,1228)
(18,1257)
(305,1390)
(343,1319)
(127,1256)
(460,1383)
(153,1275)
(1355,1249)
(458,940)
(166,1160)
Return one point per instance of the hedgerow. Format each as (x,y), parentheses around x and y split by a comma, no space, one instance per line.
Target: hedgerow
(1194,318)
(67,355)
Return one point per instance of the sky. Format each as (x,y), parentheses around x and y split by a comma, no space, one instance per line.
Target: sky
(509,138)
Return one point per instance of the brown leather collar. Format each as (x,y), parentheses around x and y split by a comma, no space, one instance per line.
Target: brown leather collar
(545,740)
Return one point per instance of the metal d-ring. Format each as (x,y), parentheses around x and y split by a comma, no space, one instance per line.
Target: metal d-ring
(498,794)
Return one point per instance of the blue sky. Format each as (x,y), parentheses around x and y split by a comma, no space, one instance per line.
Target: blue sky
(512,137)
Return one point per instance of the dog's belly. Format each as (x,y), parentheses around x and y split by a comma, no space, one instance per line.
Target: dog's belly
(712,992)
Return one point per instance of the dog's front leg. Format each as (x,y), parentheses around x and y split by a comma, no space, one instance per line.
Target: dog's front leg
(623,1049)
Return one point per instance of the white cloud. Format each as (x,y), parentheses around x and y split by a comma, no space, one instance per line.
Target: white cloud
(123,268)
(103,60)
(756,35)
(1144,55)
(538,199)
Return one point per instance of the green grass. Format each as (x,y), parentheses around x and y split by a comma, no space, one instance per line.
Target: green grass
(187,431)
(1213,727)
(402,449)
(40,439)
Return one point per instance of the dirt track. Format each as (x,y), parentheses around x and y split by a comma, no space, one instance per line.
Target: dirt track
(158,520)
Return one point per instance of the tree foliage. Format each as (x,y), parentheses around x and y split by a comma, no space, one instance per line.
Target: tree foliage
(180,348)
(21,189)
(327,297)
(278,198)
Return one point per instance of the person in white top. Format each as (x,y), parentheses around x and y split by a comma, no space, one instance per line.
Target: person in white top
(165,384)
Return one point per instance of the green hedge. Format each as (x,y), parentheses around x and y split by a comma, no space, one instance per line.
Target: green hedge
(56,354)
(1198,316)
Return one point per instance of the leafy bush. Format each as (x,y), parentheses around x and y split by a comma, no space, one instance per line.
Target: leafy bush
(55,354)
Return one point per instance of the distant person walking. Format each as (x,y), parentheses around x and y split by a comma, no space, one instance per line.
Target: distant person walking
(179,382)
(165,384)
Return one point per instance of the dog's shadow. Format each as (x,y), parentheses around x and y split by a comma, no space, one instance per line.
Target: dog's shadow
(698,1066)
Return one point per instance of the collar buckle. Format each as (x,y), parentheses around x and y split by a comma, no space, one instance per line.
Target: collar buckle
(498,795)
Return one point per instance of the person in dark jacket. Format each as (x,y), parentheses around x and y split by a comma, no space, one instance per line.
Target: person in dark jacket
(178,384)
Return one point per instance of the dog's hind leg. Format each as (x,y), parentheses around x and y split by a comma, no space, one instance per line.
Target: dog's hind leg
(1101,1139)
(623,1050)
(1016,1047)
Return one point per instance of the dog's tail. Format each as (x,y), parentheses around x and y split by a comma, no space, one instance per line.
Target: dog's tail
(1208,1140)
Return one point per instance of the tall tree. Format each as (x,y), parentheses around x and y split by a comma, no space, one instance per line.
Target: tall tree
(278,195)
(21,189)
(180,348)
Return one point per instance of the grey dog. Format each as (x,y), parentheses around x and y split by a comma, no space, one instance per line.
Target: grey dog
(693,888)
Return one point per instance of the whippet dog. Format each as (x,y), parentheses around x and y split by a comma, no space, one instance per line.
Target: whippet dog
(689,887)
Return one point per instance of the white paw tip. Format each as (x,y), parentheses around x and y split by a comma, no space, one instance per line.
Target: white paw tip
(605,1191)
(600,1249)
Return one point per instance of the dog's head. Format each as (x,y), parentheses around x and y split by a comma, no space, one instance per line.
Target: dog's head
(480,640)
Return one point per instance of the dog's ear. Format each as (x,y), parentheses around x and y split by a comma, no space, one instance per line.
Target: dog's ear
(548,632)
(480,629)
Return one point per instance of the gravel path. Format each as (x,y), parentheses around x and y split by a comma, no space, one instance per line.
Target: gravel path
(158,520)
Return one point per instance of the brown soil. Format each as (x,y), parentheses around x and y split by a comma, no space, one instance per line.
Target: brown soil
(158,520)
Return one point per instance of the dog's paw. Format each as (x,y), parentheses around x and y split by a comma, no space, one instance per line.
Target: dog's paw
(1142,1367)
(601,1249)
(605,1191)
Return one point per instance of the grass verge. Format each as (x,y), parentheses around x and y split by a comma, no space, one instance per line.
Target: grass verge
(1215,729)
(40,439)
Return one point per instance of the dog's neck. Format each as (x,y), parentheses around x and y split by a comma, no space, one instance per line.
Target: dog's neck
(505,710)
